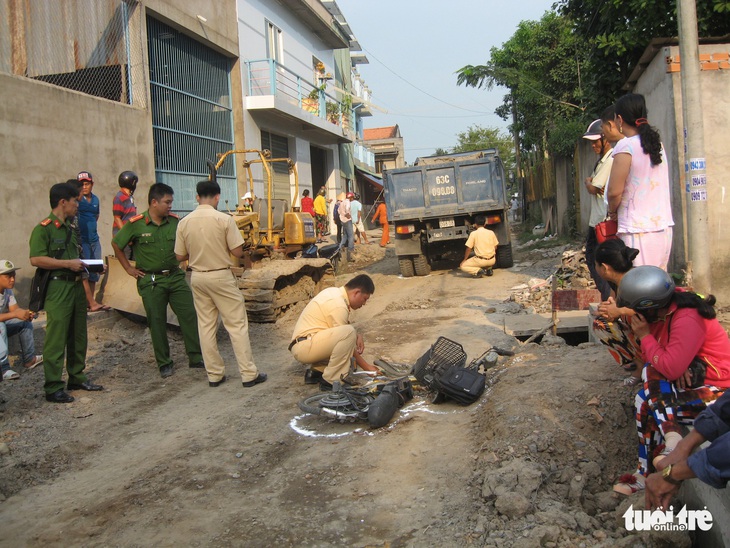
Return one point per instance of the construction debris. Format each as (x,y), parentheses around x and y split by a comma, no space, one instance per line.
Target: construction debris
(572,274)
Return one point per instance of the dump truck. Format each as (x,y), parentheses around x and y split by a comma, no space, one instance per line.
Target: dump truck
(274,232)
(434,204)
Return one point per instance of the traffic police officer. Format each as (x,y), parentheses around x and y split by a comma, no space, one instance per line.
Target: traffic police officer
(160,280)
(53,246)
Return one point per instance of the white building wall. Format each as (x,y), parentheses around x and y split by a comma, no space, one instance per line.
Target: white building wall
(299,45)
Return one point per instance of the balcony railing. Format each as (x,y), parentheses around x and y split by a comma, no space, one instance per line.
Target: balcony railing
(268,77)
(364,155)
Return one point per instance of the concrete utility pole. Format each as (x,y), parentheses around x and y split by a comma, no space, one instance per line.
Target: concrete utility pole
(698,266)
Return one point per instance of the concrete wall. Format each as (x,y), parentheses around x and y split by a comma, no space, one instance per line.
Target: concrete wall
(664,101)
(47,135)
(219,30)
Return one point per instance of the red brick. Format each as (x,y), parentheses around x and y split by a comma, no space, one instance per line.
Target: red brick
(704,56)
(709,65)
(721,56)
(673,67)
(575,299)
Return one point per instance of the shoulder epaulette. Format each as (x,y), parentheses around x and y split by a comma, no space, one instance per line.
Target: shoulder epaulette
(173,215)
(46,222)
(136,218)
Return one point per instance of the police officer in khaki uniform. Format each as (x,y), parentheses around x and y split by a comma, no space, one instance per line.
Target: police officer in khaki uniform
(207,238)
(53,246)
(160,280)
(484,244)
(323,332)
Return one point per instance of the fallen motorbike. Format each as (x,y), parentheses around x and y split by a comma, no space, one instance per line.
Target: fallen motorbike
(376,402)
(330,251)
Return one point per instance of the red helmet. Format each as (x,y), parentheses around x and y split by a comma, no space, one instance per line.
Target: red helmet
(350,196)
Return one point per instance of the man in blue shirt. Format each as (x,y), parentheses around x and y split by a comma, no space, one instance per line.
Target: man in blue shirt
(357,224)
(88,216)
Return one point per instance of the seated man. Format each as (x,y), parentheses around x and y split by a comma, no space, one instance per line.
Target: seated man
(323,331)
(711,465)
(14,321)
(484,243)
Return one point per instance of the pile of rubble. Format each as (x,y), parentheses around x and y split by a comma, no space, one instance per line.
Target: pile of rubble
(571,274)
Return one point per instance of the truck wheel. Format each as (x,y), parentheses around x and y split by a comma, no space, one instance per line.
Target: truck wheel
(420,263)
(406,267)
(504,256)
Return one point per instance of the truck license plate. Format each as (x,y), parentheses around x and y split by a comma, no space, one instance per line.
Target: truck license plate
(446,223)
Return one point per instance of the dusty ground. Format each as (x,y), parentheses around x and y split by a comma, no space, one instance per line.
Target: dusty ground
(174,462)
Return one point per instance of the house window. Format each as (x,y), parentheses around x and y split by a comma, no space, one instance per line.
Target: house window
(273,42)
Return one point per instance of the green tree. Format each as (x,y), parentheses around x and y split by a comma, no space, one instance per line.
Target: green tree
(477,137)
(542,66)
(617,32)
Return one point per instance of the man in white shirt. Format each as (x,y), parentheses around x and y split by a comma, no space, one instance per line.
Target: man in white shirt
(596,185)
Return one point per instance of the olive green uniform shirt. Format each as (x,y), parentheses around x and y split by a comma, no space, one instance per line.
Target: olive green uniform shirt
(154,245)
(49,237)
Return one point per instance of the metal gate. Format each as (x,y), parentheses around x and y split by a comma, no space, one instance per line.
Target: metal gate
(279,147)
(192,118)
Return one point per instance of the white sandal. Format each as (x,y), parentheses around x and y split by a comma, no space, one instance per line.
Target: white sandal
(628,484)
(632,381)
(10,375)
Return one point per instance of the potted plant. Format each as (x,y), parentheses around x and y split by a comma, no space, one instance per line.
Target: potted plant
(310,103)
(346,107)
(333,112)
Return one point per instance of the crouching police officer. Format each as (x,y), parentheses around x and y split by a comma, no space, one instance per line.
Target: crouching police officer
(53,246)
(160,280)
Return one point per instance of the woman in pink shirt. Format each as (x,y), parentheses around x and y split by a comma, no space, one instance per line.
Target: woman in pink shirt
(687,363)
(638,187)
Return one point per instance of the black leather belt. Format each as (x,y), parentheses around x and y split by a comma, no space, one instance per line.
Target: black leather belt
(484,258)
(297,340)
(67,278)
(214,270)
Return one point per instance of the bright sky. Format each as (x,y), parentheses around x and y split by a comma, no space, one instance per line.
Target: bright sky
(415,48)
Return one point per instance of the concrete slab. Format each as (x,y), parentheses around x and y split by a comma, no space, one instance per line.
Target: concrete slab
(524,325)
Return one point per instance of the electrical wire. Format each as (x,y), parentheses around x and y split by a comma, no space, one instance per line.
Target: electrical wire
(421,90)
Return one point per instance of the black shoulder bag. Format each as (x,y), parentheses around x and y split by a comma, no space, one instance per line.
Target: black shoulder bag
(39,284)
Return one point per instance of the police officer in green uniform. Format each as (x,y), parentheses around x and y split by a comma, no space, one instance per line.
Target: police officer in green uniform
(160,280)
(53,246)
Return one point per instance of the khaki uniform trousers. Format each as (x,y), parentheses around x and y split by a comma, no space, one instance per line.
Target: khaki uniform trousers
(474,263)
(217,293)
(336,344)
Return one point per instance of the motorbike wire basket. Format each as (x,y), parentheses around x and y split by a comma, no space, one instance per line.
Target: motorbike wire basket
(443,354)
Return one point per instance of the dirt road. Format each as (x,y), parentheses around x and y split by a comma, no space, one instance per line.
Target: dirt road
(174,462)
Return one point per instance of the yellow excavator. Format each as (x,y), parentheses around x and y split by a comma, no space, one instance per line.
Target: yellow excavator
(275,231)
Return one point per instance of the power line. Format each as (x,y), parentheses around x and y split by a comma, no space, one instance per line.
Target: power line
(419,89)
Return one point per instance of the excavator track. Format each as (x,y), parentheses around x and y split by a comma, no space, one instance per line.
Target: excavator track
(273,286)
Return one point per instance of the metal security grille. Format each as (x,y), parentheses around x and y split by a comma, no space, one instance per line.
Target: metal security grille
(279,147)
(192,119)
(90,46)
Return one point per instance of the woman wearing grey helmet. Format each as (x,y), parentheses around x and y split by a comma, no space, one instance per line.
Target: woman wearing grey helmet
(687,363)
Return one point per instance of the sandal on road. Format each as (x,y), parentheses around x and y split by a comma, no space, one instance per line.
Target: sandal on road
(632,381)
(10,375)
(37,360)
(628,484)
